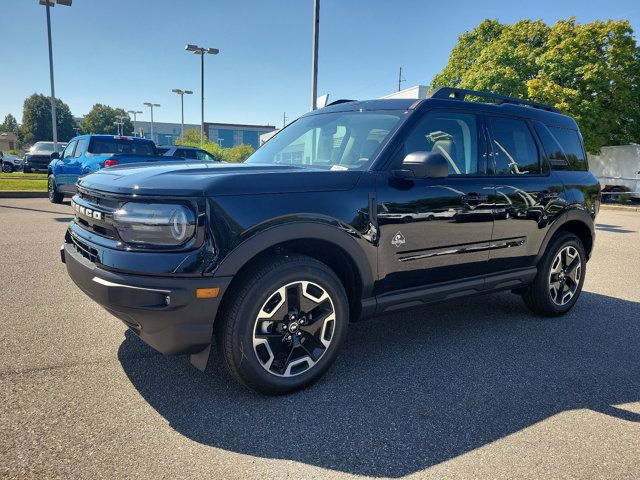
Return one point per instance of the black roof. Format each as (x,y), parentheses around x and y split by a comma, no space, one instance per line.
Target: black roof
(454,98)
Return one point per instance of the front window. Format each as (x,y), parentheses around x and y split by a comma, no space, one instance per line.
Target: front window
(330,141)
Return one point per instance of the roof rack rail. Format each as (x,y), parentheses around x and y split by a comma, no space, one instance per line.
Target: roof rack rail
(337,102)
(461,93)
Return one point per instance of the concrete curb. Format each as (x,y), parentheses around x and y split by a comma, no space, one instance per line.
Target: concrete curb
(625,208)
(23,194)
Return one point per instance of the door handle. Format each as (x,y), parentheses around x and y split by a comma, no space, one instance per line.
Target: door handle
(474,197)
(547,195)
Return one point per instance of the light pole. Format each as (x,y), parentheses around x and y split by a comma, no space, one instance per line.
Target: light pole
(120,123)
(54,123)
(151,105)
(135,120)
(201,51)
(182,94)
(314,55)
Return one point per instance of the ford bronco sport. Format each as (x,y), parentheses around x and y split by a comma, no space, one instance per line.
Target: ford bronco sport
(353,210)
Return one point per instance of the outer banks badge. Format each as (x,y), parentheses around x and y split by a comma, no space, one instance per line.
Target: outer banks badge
(398,239)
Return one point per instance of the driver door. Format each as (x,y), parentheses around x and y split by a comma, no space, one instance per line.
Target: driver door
(65,178)
(432,230)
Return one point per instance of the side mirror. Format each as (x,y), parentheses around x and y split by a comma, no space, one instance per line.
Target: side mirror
(54,156)
(426,165)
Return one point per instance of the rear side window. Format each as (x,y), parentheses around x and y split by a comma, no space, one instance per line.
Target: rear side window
(571,144)
(514,149)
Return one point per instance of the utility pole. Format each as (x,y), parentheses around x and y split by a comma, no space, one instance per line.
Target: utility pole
(284,119)
(314,58)
(400,79)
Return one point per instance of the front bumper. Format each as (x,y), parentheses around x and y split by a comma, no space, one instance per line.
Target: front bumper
(163,311)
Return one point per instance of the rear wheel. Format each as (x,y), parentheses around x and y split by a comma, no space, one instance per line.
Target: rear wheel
(560,277)
(54,195)
(7,167)
(283,326)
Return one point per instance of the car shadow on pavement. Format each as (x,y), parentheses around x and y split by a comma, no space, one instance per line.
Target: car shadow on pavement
(413,389)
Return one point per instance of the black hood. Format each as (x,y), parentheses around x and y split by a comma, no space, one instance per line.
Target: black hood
(195,179)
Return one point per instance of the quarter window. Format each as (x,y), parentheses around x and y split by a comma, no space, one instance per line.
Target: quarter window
(514,150)
(452,135)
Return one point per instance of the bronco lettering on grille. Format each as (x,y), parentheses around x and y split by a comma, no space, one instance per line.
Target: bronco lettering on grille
(87,212)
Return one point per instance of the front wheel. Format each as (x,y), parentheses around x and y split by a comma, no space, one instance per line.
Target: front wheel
(7,167)
(283,325)
(560,277)
(54,195)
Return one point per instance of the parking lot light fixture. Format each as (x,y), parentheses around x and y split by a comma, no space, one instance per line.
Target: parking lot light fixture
(151,105)
(201,51)
(135,120)
(182,93)
(54,124)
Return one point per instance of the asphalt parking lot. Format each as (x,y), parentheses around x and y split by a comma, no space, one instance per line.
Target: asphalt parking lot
(478,390)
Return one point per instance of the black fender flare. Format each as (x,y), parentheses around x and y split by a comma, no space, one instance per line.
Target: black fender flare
(350,242)
(572,214)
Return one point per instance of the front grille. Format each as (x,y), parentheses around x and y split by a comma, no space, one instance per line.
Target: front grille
(39,161)
(98,200)
(85,250)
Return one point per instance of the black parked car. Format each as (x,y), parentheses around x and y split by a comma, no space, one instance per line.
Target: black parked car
(353,210)
(38,157)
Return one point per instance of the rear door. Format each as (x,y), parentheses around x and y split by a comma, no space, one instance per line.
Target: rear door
(528,194)
(436,230)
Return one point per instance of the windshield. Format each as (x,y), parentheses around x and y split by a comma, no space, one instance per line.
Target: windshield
(47,147)
(105,146)
(331,141)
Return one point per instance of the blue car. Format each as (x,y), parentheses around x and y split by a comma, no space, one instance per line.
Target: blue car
(87,153)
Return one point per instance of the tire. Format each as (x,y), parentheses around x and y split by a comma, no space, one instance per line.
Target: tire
(7,167)
(266,344)
(54,195)
(560,277)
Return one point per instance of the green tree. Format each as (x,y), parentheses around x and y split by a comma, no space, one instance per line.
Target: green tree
(236,154)
(10,124)
(102,118)
(590,71)
(36,119)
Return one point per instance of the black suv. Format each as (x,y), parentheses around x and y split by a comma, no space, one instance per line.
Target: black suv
(353,210)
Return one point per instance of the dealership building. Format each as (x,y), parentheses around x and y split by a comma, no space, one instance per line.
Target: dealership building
(226,134)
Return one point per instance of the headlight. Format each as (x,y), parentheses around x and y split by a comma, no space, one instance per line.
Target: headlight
(158,224)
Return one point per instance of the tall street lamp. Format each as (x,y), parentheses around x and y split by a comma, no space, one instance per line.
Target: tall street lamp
(201,51)
(182,93)
(54,124)
(120,123)
(151,105)
(135,120)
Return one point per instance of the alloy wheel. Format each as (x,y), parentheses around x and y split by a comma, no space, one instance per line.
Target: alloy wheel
(565,274)
(294,328)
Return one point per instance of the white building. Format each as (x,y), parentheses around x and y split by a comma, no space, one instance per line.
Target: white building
(417,92)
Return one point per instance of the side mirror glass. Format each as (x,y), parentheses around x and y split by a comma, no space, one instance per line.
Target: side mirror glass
(426,165)
(54,155)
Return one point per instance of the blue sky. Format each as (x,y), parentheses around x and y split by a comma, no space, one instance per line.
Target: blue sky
(125,52)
